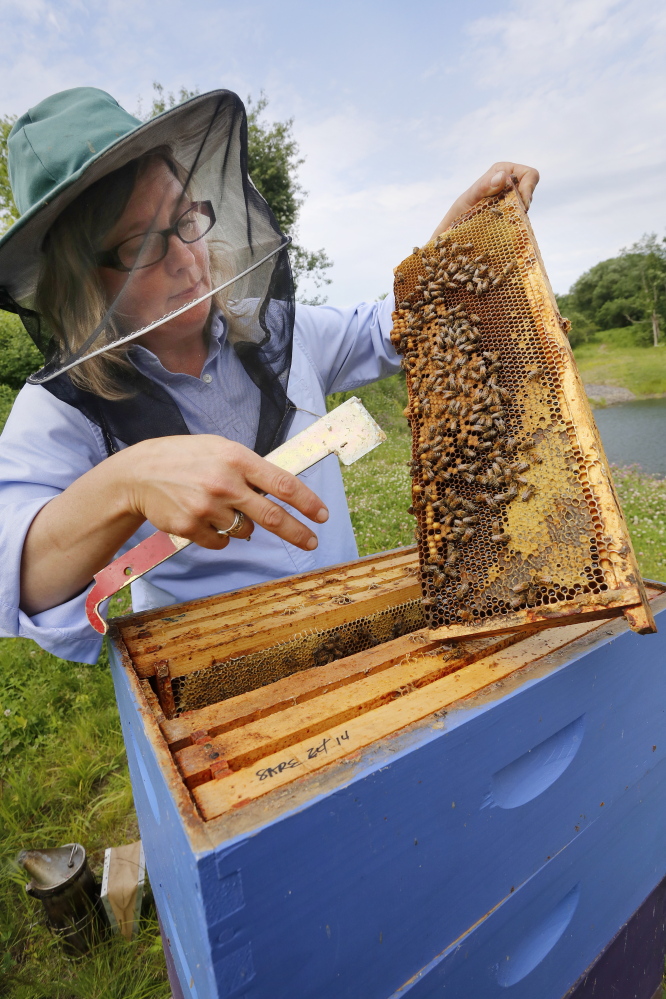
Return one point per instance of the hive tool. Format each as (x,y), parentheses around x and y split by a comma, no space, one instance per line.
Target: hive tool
(348,431)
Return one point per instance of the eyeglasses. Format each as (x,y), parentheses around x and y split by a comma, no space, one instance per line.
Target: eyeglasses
(149,248)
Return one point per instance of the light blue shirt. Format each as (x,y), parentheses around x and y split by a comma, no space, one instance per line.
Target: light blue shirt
(47,444)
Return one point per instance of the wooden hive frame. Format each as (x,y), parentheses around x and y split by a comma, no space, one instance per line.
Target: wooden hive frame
(278,729)
(517,518)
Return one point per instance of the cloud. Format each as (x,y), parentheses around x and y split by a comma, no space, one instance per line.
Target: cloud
(576,89)
(396,120)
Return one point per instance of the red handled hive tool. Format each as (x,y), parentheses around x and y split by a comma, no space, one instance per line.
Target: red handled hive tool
(348,431)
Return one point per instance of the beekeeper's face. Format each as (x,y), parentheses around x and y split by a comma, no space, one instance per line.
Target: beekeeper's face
(168,270)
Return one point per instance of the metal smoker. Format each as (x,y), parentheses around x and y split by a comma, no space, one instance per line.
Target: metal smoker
(66,886)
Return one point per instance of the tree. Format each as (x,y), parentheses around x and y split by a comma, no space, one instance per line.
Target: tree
(8,210)
(650,254)
(627,290)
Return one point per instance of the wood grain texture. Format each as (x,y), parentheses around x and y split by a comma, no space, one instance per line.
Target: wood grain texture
(348,735)
(230,625)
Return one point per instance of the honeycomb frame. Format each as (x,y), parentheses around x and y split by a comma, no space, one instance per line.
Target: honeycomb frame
(517,519)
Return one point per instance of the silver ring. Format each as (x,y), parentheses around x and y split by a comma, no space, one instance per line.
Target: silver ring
(236,527)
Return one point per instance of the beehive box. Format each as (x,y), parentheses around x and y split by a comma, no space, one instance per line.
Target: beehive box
(334,805)
(517,517)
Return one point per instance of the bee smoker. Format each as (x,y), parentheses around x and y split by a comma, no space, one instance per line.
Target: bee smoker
(64,883)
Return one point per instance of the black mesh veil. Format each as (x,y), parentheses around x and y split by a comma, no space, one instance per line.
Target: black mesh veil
(169,234)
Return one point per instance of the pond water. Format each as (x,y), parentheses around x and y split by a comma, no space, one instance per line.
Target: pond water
(634,433)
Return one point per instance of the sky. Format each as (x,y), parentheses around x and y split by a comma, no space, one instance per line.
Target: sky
(398,107)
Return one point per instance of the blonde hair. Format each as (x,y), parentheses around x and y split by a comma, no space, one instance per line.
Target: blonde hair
(70,296)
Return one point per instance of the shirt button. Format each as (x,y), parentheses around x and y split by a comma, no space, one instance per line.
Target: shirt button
(207,379)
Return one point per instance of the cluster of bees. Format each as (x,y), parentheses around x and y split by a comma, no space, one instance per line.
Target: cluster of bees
(458,269)
(342,643)
(462,438)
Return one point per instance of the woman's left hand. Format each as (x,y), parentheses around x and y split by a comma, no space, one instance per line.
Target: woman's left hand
(493,181)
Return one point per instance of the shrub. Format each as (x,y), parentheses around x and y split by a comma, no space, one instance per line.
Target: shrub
(18,355)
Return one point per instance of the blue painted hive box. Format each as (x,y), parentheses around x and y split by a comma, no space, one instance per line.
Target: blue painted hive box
(333,806)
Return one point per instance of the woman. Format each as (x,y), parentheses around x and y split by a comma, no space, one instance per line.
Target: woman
(155,279)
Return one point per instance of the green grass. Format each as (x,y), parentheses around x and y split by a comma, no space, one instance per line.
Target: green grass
(63,778)
(643,500)
(612,359)
(63,772)
(378,486)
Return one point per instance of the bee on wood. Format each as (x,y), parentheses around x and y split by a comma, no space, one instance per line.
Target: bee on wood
(527,494)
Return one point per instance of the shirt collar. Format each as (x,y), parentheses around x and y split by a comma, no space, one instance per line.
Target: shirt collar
(149,364)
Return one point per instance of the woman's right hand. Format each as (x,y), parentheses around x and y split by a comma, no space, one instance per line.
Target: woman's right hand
(189,486)
(192,486)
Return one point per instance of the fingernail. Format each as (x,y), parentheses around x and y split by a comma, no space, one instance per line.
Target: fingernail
(312,544)
(497,179)
(322,515)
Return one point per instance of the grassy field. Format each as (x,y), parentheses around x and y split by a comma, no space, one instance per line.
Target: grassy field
(612,359)
(63,772)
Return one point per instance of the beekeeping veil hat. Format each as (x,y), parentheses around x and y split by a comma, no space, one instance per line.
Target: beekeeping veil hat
(75,162)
